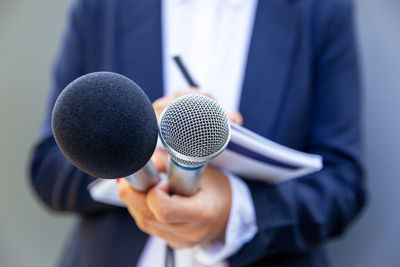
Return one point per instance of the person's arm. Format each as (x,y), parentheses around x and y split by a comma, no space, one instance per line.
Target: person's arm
(296,216)
(57,182)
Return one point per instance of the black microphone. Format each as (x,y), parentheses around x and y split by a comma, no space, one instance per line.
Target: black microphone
(105,125)
(194,129)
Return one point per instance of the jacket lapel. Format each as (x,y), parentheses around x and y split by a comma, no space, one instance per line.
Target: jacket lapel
(141,45)
(269,61)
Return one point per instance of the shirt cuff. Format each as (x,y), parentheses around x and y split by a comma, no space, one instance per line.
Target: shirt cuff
(241,227)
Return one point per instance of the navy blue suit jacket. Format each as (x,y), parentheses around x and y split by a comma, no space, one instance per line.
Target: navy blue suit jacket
(301,89)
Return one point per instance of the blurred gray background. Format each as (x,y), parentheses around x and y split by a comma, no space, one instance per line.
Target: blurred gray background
(30,235)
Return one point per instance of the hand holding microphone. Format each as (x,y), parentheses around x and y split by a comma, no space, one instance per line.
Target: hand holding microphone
(182,221)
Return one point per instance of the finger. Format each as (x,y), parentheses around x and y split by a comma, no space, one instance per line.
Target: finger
(192,90)
(145,219)
(134,200)
(157,195)
(169,234)
(167,231)
(235,117)
(137,207)
(176,233)
(160,160)
(160,104)
(175,208)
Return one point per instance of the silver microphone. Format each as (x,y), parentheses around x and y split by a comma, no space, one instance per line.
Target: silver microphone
(194,129)
(145,178)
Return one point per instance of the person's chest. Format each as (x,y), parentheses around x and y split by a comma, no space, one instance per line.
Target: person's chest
(276,85)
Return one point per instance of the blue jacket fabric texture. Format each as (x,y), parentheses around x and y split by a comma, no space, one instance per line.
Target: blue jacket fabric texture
(301,89)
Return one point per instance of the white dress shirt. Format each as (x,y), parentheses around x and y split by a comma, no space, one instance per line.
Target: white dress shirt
(212,37)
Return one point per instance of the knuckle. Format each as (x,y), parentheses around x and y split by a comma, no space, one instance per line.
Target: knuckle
(145,214)
(139,223)
(158,102)
(142,224)
(198,236)
(164,214)
(122,192)
(175,95)
(143,219)
(159,105)
(195,237)
(160,210)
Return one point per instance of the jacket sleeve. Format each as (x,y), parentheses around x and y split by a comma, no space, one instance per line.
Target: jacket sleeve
(295,216)
(57,182)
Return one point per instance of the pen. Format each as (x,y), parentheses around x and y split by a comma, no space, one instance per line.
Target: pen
(184,71)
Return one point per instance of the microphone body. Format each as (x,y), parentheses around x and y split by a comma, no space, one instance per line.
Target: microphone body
(194,129)
(145,178)
(183,180)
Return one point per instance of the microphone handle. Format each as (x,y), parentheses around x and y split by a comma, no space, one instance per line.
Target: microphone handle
(145,178)
(182,180)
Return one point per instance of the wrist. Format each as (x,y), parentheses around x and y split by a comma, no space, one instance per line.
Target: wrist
(220,203)
(240,229)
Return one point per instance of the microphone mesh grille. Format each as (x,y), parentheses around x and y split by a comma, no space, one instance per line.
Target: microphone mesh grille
(195,126)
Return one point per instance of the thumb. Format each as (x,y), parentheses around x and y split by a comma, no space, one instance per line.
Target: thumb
(235,117)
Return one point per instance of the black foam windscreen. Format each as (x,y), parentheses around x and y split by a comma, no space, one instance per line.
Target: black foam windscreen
(105,125)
